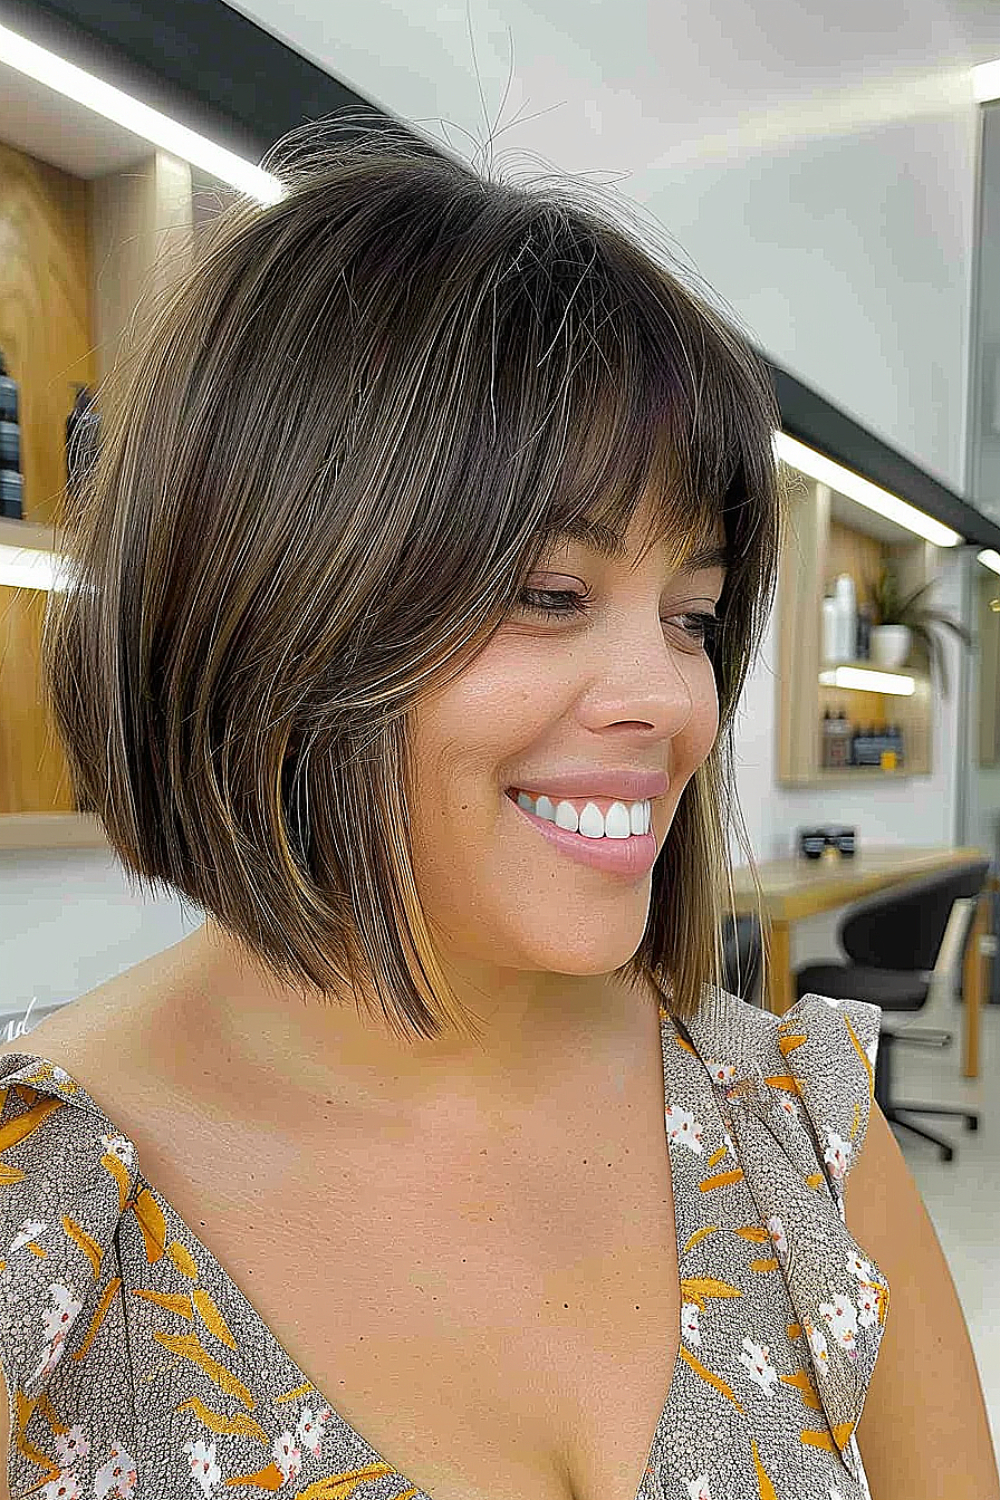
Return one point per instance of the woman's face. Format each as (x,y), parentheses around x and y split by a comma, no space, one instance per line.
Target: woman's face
(627,686)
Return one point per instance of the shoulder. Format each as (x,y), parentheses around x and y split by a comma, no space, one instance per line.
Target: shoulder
(820,1056)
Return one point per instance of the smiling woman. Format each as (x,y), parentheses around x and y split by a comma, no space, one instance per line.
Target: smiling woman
(432,534)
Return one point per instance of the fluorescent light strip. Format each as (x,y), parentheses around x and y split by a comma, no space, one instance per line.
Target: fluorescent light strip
(986,82)
(67,79)
(28,568)
(846,482)
(869,681)
(989,559)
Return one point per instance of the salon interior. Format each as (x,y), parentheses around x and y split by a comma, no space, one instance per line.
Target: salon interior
(838,186)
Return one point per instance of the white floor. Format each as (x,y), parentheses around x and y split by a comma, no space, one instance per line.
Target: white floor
(963,1195)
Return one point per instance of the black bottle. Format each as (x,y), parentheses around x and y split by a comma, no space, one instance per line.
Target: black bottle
(11,479)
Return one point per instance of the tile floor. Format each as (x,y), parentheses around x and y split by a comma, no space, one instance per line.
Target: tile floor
(963,1195)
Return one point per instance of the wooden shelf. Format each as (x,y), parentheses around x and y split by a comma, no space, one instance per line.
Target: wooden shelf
(844,775)
(54,830)
(829,534)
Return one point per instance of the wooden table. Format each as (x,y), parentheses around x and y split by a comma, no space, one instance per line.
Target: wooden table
(796,887)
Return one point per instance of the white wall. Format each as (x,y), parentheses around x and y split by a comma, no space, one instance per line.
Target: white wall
(69,920)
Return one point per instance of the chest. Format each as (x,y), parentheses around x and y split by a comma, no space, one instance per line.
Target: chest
(492,1318)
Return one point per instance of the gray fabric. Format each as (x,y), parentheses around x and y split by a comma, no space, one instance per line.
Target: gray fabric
(136,1367)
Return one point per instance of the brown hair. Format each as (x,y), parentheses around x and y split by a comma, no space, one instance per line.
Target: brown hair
(329,457)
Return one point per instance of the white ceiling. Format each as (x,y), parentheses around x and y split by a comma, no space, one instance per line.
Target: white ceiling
(599,89)
(616,87)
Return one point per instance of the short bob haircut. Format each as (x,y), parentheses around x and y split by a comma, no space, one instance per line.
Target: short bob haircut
(329,458)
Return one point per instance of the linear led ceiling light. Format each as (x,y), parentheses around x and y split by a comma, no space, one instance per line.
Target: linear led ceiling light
(67,79)
(986,82)
(846,482)
(989,559)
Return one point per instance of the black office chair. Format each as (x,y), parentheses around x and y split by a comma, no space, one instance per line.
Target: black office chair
(894,938)
(741,949)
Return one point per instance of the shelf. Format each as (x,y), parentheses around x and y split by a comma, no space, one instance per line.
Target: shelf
(844,776)
(53,830)
(828,535)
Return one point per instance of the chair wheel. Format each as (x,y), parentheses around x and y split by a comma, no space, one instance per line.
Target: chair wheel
(947,1153)
(972,1122)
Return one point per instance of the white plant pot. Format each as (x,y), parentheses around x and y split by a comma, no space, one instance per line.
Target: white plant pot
(890,645)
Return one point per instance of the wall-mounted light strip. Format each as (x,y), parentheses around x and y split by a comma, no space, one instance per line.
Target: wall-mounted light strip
(29,568)
(986,82)
(869,681)
(989,559)
(73,82)
(846,482)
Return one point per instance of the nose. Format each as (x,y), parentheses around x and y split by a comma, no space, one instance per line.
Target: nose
(644,678)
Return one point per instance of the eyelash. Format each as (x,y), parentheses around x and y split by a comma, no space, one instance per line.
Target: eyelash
(576,604)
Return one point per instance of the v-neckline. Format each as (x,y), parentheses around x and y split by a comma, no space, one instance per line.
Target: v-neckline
(249,1313)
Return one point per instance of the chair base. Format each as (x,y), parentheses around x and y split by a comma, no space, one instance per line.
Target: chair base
(896,1115)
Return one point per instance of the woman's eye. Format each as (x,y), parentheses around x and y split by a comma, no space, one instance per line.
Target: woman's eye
(701,627)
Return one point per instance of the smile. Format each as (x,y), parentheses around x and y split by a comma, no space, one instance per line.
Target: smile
(617,839)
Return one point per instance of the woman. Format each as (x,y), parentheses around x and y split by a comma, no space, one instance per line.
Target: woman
(433,532)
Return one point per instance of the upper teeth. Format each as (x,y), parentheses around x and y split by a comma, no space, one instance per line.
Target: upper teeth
(620,820)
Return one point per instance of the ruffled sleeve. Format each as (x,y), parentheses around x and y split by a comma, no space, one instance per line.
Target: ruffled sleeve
(65,1178)
(796,1091)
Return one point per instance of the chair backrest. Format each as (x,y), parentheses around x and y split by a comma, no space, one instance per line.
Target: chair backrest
(741,948)
(902,927)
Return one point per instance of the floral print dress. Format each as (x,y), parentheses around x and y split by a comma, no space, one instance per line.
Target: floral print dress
(136,1367)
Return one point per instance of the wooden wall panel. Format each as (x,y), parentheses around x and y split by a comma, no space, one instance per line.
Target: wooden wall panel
(45,334)
(45,318)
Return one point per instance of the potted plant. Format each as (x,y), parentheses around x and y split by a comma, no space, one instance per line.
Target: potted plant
(899,617)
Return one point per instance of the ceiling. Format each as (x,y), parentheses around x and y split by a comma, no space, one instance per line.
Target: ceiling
(612,88)
(603,90)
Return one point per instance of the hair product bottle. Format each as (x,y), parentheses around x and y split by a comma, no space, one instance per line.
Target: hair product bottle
(11,479)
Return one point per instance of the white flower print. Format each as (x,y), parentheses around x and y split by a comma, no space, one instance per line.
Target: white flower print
(788,1104)
(835,1493)
(828,1000)
(776,1230)
(698,1488)
(71,1445)
(868,1303)
(60,1075)
(59,1319)
(204,1468)
(683,1127)
(28,1230)
(837,1154)
(842,1317)
(57,1322)
(728,1142)
(858,1267)
(66,1487)
(120,1146)
(721,1072)
(309,1428)
(689,1323)
(754,1357)
(817,1343)
(287,1456)
(116,1476)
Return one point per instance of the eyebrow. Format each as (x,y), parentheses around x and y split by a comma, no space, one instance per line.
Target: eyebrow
(609,544)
